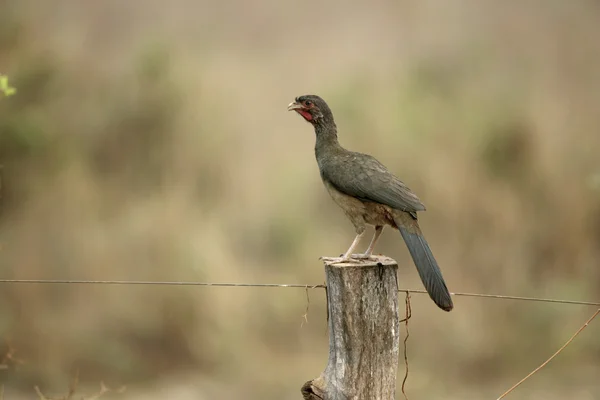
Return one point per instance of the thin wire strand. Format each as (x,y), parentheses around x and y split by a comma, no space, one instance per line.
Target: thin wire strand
(552,357)
(281,285)
(408,314)
(164,283)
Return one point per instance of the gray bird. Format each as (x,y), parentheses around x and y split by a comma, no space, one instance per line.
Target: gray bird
(370,195)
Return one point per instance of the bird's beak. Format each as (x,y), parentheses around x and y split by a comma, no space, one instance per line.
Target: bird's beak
(294,106)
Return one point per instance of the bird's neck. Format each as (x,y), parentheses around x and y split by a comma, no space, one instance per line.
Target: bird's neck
(327,139)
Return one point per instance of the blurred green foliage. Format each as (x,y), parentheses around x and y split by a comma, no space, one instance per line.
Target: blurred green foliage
(5,88)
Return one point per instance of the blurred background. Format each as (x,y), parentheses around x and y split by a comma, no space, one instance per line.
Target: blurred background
(150,141)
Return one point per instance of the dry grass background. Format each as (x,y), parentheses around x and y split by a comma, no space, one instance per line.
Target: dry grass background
(150,140)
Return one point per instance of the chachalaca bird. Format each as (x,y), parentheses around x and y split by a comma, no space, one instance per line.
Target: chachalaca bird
(370,194)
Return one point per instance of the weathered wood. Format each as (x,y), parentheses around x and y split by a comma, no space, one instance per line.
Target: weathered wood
(362,301)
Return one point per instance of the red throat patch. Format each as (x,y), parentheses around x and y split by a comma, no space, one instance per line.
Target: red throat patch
(305,114)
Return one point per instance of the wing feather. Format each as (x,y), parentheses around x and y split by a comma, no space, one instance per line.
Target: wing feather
(362,176)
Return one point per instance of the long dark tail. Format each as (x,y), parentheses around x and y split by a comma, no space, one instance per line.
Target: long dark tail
(430,273)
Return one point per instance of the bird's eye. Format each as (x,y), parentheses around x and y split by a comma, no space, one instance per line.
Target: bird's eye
(307,103)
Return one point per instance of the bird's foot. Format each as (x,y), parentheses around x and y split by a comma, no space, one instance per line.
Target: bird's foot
(348,259)
(336,260)
(363,256)
(331,260)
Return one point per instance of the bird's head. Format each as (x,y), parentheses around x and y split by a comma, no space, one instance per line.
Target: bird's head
(312,108)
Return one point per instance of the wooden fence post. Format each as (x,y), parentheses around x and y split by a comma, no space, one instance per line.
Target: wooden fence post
(362,302)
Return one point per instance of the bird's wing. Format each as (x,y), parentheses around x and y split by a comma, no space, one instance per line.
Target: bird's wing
(362,176)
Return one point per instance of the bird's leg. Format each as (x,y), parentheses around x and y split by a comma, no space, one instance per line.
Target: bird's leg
(355,243)
(378,232)
(367,254)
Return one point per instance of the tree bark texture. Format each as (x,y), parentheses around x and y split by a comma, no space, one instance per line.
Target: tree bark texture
(362,301)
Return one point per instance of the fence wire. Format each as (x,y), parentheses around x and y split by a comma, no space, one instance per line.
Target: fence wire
(281,285)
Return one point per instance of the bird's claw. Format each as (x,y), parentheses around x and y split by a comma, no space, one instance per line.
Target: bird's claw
(363,256)
(337,260)
(348,259)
